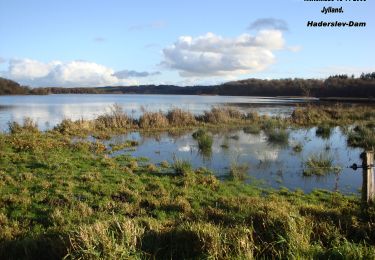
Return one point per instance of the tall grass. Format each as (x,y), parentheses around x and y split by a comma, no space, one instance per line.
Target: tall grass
(29,125)
(238,172)
(278,137)
(323,131)
(181,167)
(179,118)
(151,120)
(218,115)
(115,119)
(320,164)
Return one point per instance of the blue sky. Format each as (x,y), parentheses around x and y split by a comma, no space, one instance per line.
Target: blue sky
(97,43)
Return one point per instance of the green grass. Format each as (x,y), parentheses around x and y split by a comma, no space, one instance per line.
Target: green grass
(320,164)
(298,148)
(324,131)
(238,172)
(252,129)
(278,137)
(204,140)
(362,136)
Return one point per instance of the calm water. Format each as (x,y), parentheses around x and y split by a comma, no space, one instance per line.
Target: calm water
(50,110)
(276,166)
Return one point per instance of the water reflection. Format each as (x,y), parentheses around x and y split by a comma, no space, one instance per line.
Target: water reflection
(50,110)
(277,166)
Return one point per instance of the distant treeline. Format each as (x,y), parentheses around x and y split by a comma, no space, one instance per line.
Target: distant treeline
(334,86)
(10,87)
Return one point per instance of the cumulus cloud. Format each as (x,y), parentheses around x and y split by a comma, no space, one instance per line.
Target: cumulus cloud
(2,60)
(213,55)
(62,74)
(124,74)
(269,23)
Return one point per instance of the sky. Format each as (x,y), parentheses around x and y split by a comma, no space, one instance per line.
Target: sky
(89,43)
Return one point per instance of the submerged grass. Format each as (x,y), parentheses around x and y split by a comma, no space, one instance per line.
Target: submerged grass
(320,164)
(278,137)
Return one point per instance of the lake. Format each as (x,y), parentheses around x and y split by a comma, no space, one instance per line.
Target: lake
(49,110)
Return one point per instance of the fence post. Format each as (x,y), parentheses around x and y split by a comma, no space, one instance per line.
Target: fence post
(368,188)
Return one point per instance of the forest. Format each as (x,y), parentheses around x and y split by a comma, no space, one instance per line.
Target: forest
(334,86)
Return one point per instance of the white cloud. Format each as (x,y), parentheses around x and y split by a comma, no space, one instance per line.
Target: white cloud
(63,74)
(213,55)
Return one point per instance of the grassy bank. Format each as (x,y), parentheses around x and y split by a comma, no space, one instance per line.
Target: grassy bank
(64,198)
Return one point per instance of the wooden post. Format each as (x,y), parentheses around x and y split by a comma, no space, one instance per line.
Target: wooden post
(368,187)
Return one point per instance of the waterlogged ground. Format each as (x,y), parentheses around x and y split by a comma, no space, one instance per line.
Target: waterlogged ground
(274,164)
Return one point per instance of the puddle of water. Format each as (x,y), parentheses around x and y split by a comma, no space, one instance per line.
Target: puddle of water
(274,164)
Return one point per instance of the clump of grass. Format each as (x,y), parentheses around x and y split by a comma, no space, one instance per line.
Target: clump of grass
(238,172)
(225,145)
(252,129)
(115,239)
(79,127)
(115,119)
(178,117)
(253,116)
(338,114)
(235,137)
(164,164)
(133,165)
(270,124)
(278,136)
(126,144)
(152,168)
(320,164)
(198,134)
(29,125)
(153,120)
(222,114)
(298,148)
(323,131)
(362,136)
(205,141)
(181,167)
